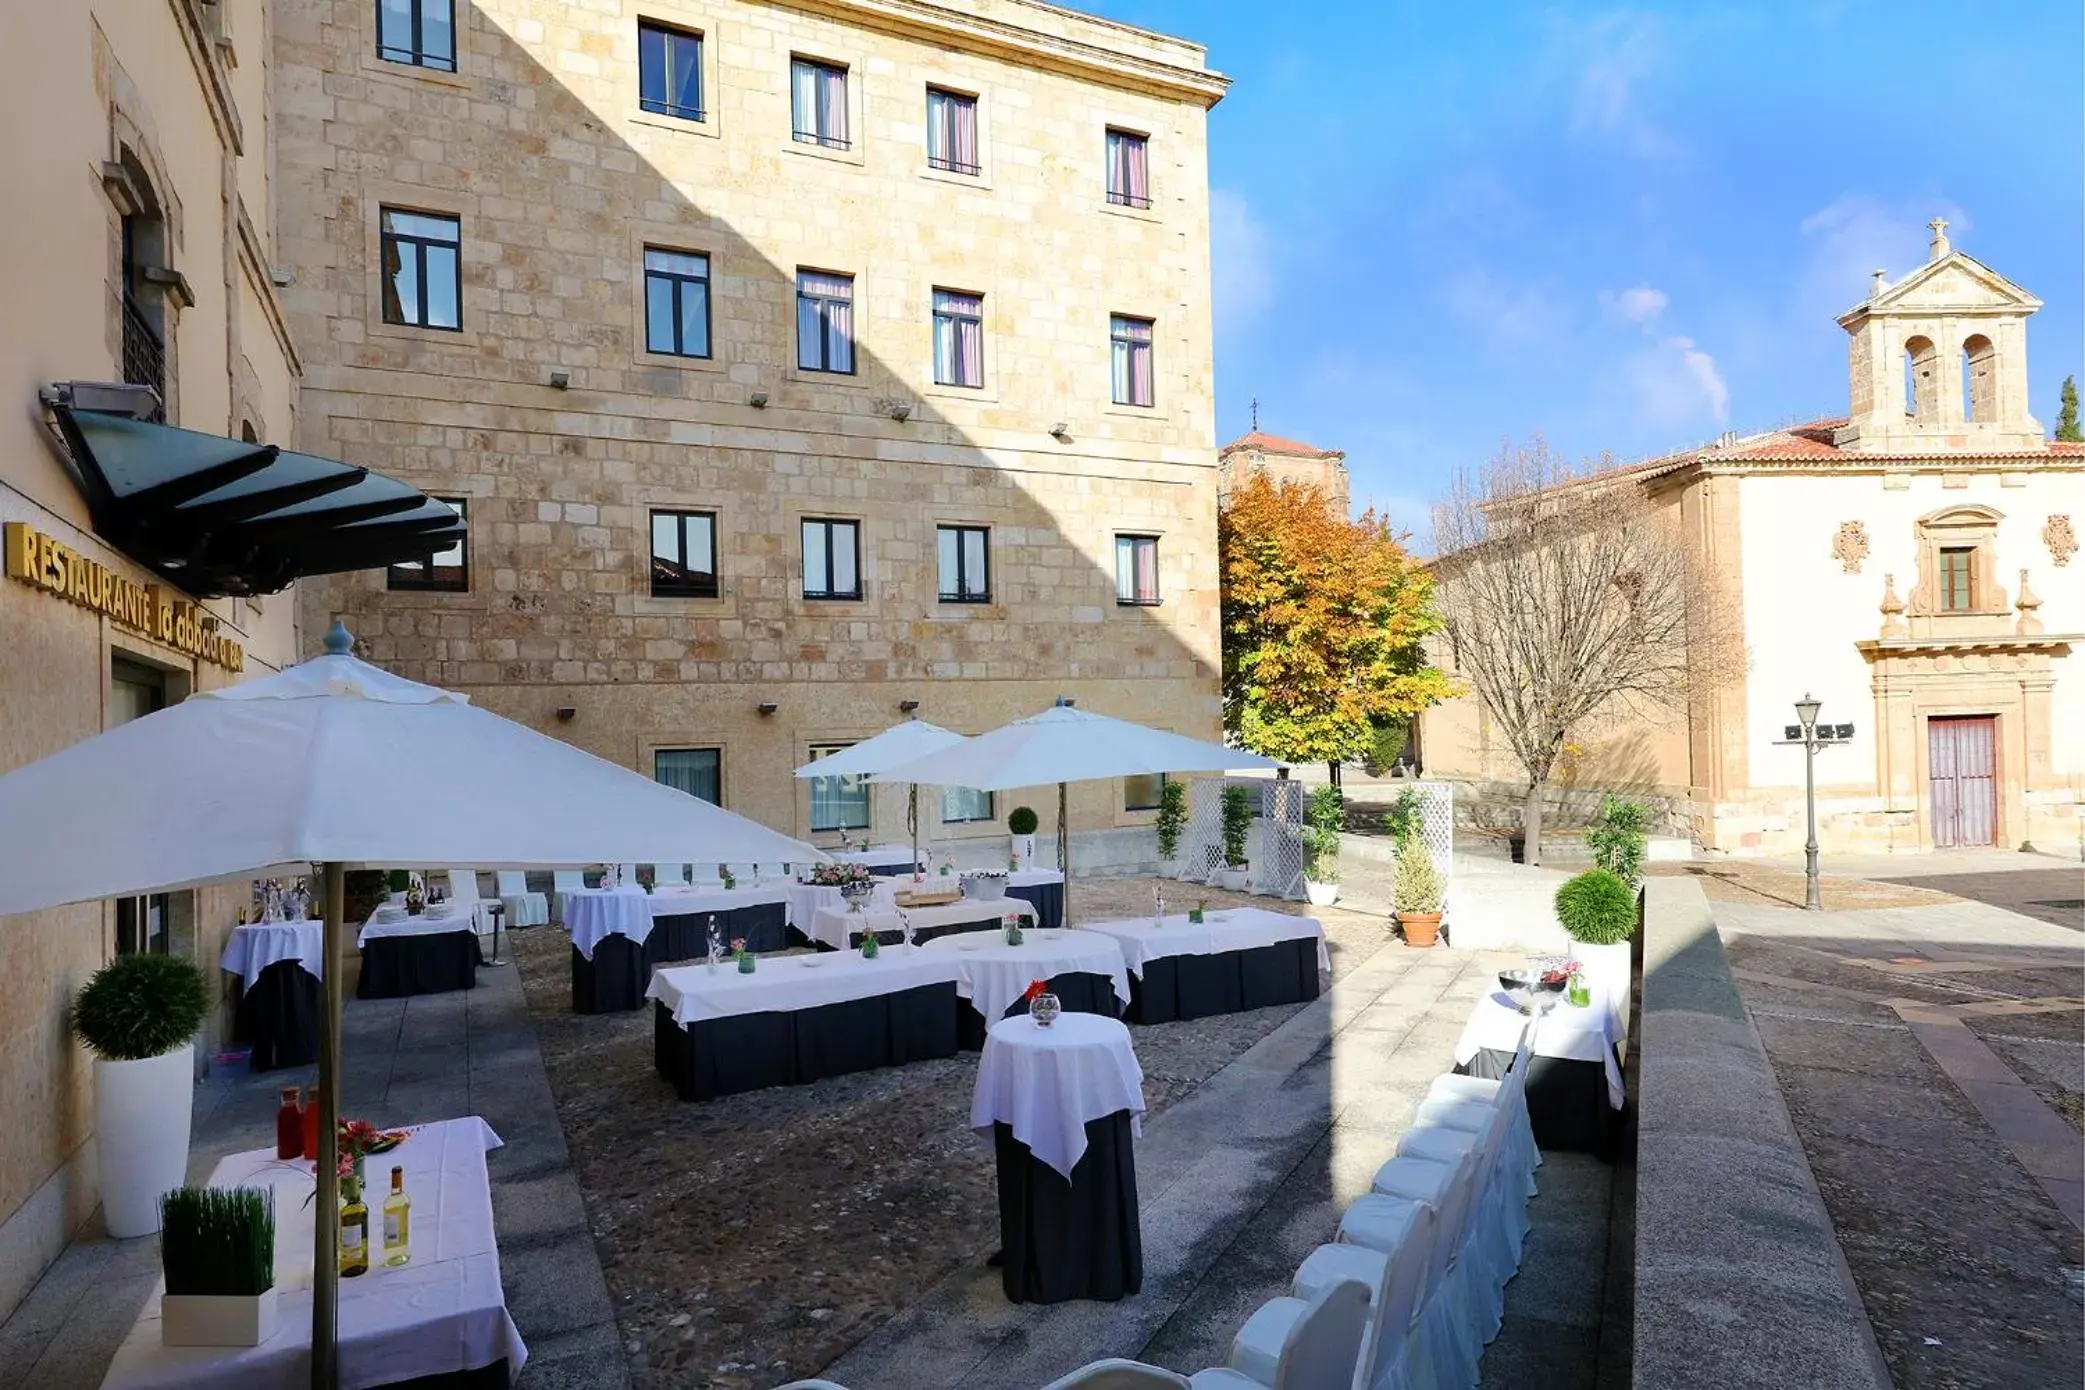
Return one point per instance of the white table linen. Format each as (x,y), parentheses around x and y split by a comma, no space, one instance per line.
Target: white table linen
(840,929)
(593,914)
(802,900)
(437,919)
(1046,1083)
(786,984)
(876,856)
(1233,929)
(254,946)
(678,901)
(992,974)
(1561,1030)
(443,1312)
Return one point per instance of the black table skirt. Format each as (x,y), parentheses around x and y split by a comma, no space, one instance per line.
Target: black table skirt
(1079,993)
(1047,899)
(281,1017)
(615,980)
(685,936)
(1173,988)
(747,1052)
(889,870)
(1079,1239)
(493,1377)
(394,967)
(1567,1101)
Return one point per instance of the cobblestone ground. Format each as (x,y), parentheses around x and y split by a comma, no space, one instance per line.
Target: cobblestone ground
(753,1239)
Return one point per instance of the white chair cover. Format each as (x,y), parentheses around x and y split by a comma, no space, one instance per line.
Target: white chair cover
(1116,1374)
(563,881)
(463,891)
(523,908)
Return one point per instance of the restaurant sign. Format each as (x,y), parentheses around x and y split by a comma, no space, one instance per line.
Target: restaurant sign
(42,563)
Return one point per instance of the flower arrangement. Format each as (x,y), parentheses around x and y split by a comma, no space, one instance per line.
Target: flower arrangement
(1043,1006)
(1196,913)
(730,879)
(1036,990)
(745,958)
(838,875)
(1011,925)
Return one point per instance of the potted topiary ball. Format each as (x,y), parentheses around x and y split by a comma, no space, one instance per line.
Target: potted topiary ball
(1021,823)
(1416,893)
(139,1016)
(1598,909)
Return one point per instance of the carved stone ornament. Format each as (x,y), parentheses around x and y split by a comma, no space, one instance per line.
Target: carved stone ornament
(2028,605)
(1850,546)
(2061,539)
(1893,624)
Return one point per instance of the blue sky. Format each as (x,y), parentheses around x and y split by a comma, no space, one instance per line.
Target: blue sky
(1436,226)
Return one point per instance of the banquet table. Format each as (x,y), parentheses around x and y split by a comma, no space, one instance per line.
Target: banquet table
(1575,1094)
(883,861)
(801,902)
(1042,889)
(1083,969)
(440,1320)
(280,967)
(406,955)
(1063,1107)
(837,929)
(754,912)
(1236,959)
(797,1019)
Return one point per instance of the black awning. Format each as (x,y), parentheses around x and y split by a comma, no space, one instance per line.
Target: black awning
(216,516)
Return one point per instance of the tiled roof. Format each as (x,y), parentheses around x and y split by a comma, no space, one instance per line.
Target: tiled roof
(1261,442)
(1812,443)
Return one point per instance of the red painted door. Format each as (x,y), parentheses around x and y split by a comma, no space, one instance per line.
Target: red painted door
(1962,758)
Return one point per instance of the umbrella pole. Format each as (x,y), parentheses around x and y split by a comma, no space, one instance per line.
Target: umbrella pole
(912,820)
(1064,844)
(325,1285)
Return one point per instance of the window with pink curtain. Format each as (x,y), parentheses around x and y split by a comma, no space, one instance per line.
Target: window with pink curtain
(952,131)
(959,338)
(1129,174)
(1136,570)
(818,103)
(1130,344)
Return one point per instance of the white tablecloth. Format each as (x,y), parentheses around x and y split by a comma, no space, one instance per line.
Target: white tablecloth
(840,929)
(1589,1034)
(676,902)
(1232,929)
(876,856)
(784,984)
(254,946)
(992,974)
(594,913)
(441,1313)
(438,918)
(1046,1083)
(803,900)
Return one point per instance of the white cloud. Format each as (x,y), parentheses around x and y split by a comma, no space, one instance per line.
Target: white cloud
(1672,383)
(1702,368)
(1512,314)
(1640,304)
(1856,234)
(1613,57)
(1241,262)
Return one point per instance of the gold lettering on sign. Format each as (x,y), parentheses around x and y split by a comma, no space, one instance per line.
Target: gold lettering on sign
(42,563)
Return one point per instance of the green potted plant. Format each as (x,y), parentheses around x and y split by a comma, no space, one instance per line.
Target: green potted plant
(217,1251)
(398,880)
(1599,911)
(1416,893)
(1617,837)
(1170,822)
(1021,823)
(139,1016)
(1323,819)
(1405,816)
(1236,872)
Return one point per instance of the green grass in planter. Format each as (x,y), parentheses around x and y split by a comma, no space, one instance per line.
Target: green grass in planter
(215,1240)
(1598,908)
(141,1006)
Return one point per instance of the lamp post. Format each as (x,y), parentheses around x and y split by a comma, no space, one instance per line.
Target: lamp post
(1807,732)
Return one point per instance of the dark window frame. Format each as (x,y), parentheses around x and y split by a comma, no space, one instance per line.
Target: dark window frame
(418,55)
(1157,595)
(1120,331)
(716,753)
(678,281)
(1950,571)
(818,135)
(394,309)
(955,318)
(862,788)
(830,594)
(1155,803)
(961,529)
(991,810)
(1122,197)
(665,105)
(418,576)
(827,336)
(949,164)
(691,588)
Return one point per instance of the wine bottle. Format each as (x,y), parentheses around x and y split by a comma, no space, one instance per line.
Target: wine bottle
(354,1237)
(398,1221)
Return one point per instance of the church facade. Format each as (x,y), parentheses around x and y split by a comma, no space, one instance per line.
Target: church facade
(1912,566)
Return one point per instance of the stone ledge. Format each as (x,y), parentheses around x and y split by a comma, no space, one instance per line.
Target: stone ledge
(1740,1281)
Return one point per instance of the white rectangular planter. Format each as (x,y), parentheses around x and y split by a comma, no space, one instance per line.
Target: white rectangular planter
(216,1320)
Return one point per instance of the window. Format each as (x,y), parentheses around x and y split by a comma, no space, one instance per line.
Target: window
(422,285)
(421,33)
(447,570)
(1136,570)
(669,71)
(684,555)
(1129,175)
(1143,792)
(136,690)
(1957,585)
(824,321)
(818,103)
(832,559)
(697,771)
(676,303)
(962,805)
(959,338)
(966,576)
(144,309)
(1130,341)
(838,803)
(952,131)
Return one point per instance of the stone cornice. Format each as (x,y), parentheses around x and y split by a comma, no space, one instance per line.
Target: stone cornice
(1897,463)
(217,91)
(1884,648)
(945,24)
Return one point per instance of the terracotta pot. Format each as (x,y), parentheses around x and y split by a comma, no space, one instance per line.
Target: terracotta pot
(1421,929)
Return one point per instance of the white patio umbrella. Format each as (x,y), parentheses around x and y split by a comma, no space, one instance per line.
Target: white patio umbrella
(1065,745)
(332,763)
(915,738)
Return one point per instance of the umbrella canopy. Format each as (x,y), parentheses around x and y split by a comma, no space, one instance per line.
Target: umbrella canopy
(336,760)
(900,743)
(1063,744)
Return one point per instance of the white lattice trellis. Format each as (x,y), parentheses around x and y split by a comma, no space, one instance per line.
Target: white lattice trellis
(1275,845)
(1437,824)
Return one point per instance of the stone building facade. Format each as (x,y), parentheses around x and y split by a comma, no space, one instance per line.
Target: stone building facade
(142,250)
(1284,461)
(942,170)
(1912,566)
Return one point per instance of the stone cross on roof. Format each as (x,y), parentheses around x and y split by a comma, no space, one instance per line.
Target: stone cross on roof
(1939,246)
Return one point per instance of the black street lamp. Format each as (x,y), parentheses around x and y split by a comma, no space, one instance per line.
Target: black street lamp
(1812,736)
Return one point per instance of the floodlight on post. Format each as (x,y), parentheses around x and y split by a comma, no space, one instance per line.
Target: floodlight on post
(1809,735)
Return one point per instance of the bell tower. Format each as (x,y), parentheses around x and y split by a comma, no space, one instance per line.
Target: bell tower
(1938,361)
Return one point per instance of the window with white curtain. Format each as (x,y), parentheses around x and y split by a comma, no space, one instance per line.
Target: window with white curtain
(952,131)
(824,321)
(697,771)
(959,338)
(832,559)
(838,803)
(963,805)
(818,103)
